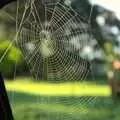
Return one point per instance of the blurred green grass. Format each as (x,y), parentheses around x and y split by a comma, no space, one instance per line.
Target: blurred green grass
(30,106)
(60,89)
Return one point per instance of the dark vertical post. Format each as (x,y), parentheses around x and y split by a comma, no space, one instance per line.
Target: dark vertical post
(5,109)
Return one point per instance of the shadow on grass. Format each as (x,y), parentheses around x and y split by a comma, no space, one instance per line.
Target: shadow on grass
(33,107)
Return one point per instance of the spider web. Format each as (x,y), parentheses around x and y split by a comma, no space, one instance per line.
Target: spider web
(51,36)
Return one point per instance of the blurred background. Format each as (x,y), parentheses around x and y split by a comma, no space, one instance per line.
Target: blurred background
(93,95)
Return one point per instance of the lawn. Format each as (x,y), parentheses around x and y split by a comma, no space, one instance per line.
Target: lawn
(48,101)
(61,89)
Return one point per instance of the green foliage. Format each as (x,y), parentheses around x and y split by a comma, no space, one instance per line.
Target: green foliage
(12,57)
